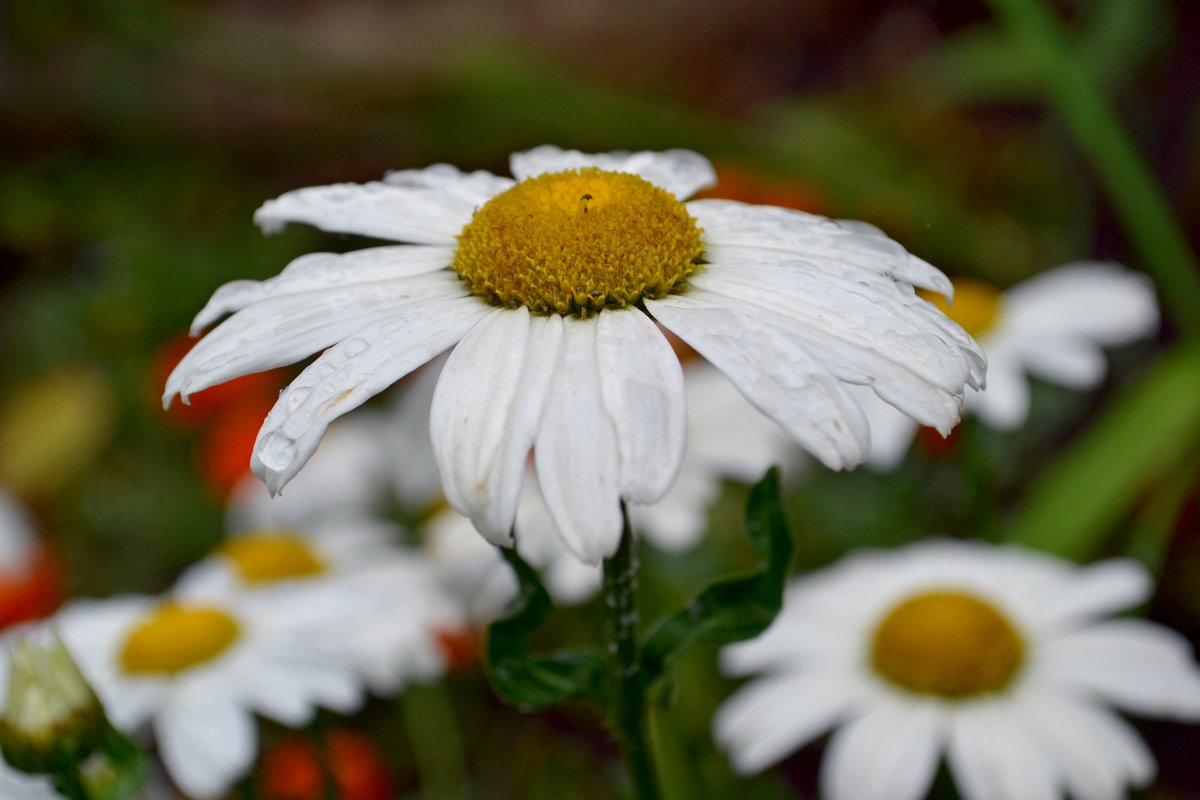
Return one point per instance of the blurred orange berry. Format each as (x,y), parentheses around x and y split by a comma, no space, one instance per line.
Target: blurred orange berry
(295,769)
(459,646)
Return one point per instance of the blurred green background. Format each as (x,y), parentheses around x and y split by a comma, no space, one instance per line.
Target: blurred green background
(138,138)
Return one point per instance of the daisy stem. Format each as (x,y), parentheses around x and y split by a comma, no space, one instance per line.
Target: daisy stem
(629,713)
(1130,185)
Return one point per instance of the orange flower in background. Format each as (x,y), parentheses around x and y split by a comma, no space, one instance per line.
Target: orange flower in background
(228,416)
(747,186)
(295,769)
(460,646)
(33,592)
(223,451)
(31,578)
(203,407)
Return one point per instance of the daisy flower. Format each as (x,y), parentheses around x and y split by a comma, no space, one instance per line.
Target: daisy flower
(197,670)
(996,657)
(547,287)
(1053,326)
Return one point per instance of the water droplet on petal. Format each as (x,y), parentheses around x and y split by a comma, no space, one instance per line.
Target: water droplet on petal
(277,452)
(356,346)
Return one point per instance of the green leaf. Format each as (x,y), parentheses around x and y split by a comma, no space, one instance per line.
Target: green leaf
(537,681)
(1142,439)
(734,609)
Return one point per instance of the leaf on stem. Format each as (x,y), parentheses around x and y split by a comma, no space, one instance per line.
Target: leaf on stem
(537,681)
(737,608)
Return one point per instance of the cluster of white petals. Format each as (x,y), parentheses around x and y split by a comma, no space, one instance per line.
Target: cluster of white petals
(1055,327)
(1047,734)
(793,308)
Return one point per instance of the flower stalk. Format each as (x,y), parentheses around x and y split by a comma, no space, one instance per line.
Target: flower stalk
(629,710)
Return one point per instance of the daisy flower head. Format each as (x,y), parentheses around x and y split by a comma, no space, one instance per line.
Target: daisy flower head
(375,605)
(197,669)
(1054,326)
(998,658)
(548,286)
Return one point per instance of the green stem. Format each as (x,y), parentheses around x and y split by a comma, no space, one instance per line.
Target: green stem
(1132,189)
(436,746)
(629,703)
(69,784)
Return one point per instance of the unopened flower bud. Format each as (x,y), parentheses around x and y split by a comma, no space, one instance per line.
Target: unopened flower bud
(52,719)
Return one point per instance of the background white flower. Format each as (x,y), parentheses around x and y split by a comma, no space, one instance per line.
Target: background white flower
(1053,326)
(790,306)
(996,657)
(198,672)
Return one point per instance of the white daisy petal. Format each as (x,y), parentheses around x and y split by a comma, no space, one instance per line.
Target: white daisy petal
(576,454)
(892,431)
(349,373)
(770,718)
(920,374)
(283,330)
(641,384)
(992,760)
(774,370)
(206,742)
(428,206)
(1136,666)
(902,743)
(680,172)
(1004,405)
(1087,301)
(729,223)
(1075,364)
(323,271)
(1095,759)
(1094,591)
(486,411)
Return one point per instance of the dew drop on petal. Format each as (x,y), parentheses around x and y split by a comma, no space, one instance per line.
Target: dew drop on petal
(356,346)
(277,452)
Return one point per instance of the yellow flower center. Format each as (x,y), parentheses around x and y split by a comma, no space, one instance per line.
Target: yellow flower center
(976,308)
(576,242)
(176,637)
(947,643)
(270,556)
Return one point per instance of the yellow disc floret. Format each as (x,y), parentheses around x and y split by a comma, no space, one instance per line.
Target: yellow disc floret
(269,556)
(176,637)
(977,305)
(576,242)
(947,643)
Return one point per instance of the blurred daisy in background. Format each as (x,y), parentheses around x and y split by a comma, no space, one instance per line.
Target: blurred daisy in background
(565,358)
(1053,326)
(996,657)
(31,581)
(392,606)
(196,672)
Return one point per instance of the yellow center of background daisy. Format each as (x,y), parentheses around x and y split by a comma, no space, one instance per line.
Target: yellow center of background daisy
(976,308)
(271,556)
(177,637)
(949,644)
(576,242)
